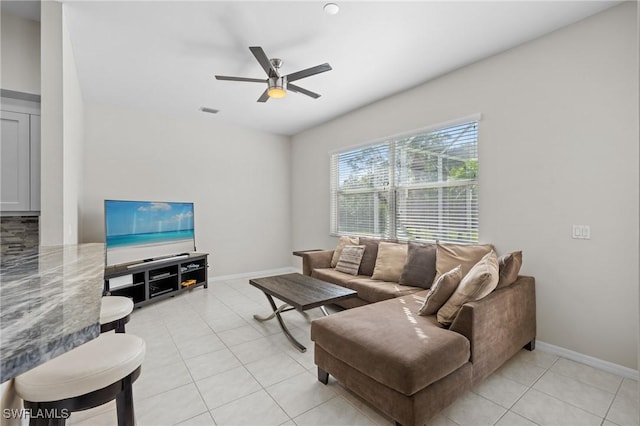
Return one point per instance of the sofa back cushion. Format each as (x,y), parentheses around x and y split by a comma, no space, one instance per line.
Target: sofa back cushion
(390,262)
(448,256)
(343,241)
(368,262)
(420,267)
(509,265)
(481,280)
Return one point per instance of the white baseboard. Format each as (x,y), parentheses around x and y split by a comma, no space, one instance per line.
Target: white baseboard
(589,360)
(256,274)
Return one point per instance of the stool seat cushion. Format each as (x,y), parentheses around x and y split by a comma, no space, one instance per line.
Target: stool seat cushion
(113,308)
(87,368)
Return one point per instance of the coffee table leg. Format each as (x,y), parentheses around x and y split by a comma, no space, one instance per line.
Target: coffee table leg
(285,330)
(282,308)
(324,311)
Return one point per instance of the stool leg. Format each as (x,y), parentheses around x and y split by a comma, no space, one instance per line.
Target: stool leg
(120,326)
(41,419)
(57,422)
(124,404)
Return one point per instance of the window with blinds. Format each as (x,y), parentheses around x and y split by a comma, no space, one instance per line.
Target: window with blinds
(418,187)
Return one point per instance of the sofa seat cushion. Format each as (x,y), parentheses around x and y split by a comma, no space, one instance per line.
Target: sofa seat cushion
(330,275)
(389,342)
(375,291)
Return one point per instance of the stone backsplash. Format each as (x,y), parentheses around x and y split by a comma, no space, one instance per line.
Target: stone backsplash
(18,234)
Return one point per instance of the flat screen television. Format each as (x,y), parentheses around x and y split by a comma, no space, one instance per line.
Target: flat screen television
(137,231)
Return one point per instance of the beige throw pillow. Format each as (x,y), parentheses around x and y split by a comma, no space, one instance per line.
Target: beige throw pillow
(343,241)
(350,259)
(441,291)
(509,265)
(390,262)
(448,256)
(481,280)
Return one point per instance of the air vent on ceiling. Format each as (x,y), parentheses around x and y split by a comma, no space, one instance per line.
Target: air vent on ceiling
(209,110)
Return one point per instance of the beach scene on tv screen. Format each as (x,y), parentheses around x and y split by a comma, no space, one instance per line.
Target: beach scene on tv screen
(137,230)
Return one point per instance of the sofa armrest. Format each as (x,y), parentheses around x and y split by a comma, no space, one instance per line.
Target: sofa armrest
(499,325)
(316,259)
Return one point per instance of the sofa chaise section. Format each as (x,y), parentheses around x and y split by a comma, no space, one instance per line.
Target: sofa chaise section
(407,365)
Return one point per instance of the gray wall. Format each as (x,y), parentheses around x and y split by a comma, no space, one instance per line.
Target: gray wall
(238,179)
(558,146)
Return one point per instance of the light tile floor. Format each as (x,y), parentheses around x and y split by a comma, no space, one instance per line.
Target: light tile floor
(209,362)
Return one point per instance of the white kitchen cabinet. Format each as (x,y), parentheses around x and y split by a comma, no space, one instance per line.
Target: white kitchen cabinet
(19,162)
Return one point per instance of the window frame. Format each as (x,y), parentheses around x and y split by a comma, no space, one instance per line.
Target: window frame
(393,188)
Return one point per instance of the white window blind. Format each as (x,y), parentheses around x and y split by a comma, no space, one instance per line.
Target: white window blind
(361,191)
(418,187)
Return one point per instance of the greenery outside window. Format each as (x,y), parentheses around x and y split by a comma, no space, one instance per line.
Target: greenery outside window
(422,186)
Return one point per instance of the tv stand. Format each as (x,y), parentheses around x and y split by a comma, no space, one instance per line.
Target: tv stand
(147,282)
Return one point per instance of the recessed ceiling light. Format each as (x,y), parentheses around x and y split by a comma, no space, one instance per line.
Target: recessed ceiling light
(209,110)
(331,8)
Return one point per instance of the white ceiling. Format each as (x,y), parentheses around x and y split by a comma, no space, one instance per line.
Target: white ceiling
(163,55)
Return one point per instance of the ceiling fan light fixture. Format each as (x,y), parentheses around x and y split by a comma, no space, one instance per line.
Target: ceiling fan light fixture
(277,87)
(276,92)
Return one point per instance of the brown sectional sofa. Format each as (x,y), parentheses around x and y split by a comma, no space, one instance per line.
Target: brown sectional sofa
(407,365)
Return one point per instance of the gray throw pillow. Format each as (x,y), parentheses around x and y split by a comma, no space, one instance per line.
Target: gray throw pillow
(441,291)
(350,259)
(509,266)
(369,257)
(420,267)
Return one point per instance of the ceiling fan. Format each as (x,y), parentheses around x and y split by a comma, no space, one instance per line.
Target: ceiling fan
(277,85)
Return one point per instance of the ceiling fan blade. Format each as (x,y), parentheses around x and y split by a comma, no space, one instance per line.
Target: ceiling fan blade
(264,97)
(308,72)
(251,80)
(264,61)
(299,89)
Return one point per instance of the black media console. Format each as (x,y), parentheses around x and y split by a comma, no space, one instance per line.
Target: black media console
(148,282)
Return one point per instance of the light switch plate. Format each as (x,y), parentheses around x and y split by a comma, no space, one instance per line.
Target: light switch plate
(581,232)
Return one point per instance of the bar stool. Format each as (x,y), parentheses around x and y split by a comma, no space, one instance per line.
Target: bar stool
(115,312)
(90,375)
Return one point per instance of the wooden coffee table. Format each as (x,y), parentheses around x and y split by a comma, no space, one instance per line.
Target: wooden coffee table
(299,292)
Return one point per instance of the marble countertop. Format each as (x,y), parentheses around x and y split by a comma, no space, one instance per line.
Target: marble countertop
(49,304)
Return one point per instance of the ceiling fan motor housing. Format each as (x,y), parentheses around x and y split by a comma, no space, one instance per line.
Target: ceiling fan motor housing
(277,86)
(276,62)
(279,82)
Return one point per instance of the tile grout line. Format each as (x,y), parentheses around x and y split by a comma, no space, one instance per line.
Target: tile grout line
(263,388)
(611,403)
(594,368)
(226,347)
(306,372)
(187,367)
(585,384)
(530,387)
